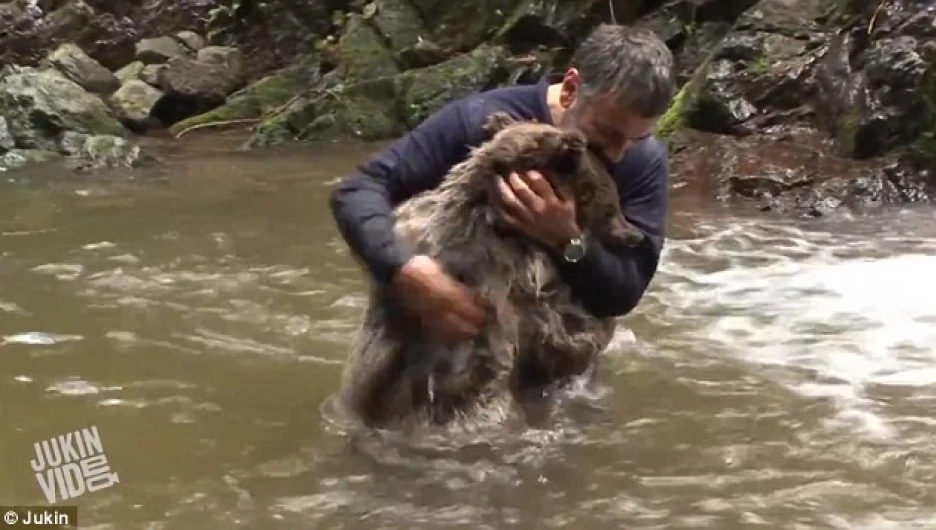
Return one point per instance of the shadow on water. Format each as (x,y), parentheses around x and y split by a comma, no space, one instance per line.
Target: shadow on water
(778,374)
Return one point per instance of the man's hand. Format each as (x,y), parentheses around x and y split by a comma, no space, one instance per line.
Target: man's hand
(449,311)
(528,203)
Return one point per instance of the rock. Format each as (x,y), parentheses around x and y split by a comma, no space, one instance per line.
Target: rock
(398,22)
(193,40)
(152,74)
(22,39)
(39,105)
(133,103)
(460,26)
(20,158)
(131,71)
(880,106)
(192,87)
(92,152)
(231,59)
(365,111)
(107,37)
(362,52)
(252,102)
(6,139)
(761,73)
(423,53)
(425,90)
(795,174)
(160,50)
(82,69)
(272,34)
(106,31)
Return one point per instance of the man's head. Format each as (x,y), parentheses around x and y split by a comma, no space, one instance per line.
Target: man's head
(620,82)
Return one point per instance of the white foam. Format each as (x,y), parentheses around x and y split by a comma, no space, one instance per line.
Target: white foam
(813,302)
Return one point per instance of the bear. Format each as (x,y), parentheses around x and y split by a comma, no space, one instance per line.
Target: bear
(536,337)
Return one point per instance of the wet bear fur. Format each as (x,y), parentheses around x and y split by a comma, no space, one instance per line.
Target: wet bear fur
(537,337)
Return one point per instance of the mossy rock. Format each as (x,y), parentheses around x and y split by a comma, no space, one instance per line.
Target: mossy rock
(130,72)
(423,91)
(361,111)
(684,103)
(362,52)
(251,102)
(462,26)
(399,22)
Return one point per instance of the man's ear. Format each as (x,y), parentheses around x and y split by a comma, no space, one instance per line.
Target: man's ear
(497,122)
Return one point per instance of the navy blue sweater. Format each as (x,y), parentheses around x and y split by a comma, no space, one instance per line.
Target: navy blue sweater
(606,284)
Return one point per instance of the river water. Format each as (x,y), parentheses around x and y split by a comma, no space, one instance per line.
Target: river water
(779,374)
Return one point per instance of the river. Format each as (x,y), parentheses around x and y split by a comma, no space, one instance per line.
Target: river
(779,374)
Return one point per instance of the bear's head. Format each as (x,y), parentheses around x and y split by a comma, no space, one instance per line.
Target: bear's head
(562,156)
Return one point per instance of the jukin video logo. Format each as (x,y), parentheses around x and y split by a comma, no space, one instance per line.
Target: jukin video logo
(70,465)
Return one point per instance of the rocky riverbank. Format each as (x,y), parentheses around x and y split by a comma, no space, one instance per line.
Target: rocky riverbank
(799,106)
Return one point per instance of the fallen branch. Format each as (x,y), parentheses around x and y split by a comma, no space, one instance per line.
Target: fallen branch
(211,124)
(875,15)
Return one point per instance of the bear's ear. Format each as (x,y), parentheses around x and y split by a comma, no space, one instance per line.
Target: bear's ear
(497,122)
(574,140)
(571,151)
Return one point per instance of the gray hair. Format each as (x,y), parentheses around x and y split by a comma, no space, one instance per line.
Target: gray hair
(632,63)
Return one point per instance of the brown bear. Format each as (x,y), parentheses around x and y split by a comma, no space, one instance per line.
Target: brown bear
(536,337)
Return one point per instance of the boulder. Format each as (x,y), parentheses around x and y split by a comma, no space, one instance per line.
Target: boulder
(398,22)
(130,71)
(254,101)
(192,40)
(82,69)
(193,87)
(40,105)
(231,59)
(423,91)
(160,50)
(133,102)
(152,74)
(882,97)
(92,152)
(20,158)
(6,138)
(362,52)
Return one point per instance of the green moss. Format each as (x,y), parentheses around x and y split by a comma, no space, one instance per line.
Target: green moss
(354,116)
(466,25)
(683,103)
(399,22)
(847,133)
(423,91)
(251,102)
(362,52)
(130,72)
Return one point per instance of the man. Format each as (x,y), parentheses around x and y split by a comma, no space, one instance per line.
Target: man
(620,82)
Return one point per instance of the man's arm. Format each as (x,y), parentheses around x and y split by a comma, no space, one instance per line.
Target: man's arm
(612,285)
(362,203)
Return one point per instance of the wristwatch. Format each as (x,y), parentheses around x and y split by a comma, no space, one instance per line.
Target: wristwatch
(575,249)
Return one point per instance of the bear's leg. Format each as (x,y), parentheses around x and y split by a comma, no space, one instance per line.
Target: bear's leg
(560,342)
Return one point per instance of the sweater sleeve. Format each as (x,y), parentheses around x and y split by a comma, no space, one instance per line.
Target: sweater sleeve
(362,203)
(610,284)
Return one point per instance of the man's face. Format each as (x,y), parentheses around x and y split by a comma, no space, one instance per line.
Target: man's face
(611,128)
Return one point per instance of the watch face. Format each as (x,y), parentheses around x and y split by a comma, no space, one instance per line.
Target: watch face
(574,251)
